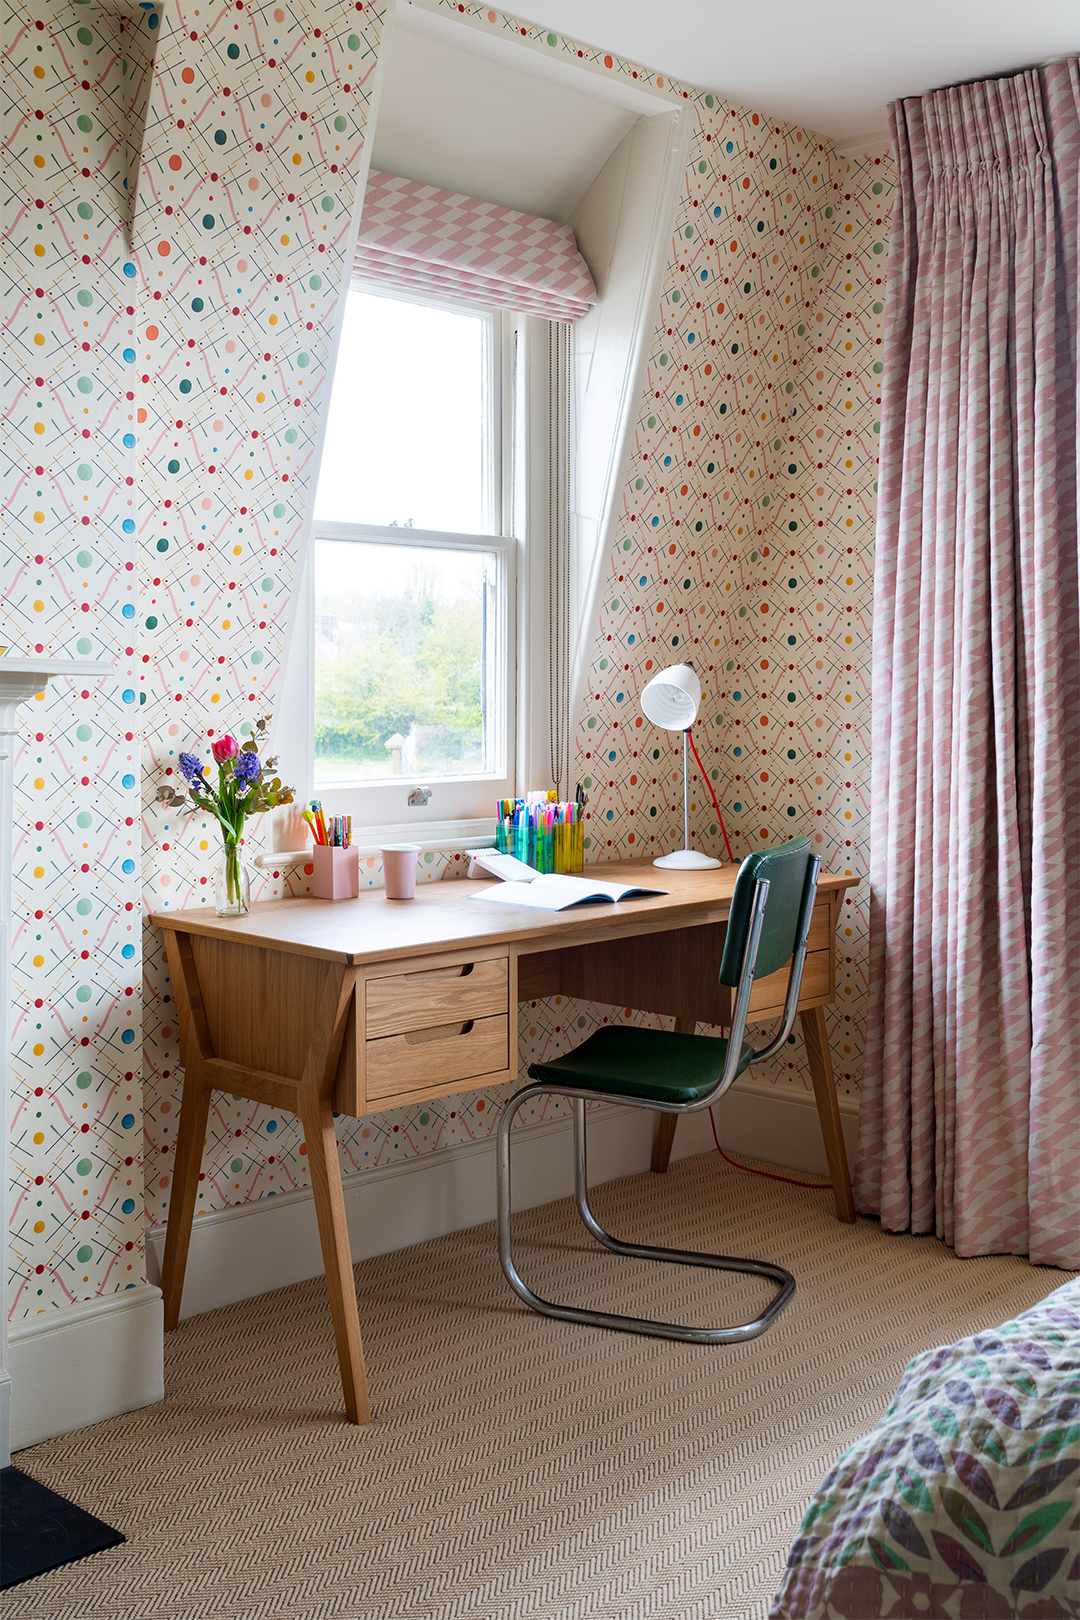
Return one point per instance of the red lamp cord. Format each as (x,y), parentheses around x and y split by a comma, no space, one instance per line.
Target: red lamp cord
(708,784)
(769,1175)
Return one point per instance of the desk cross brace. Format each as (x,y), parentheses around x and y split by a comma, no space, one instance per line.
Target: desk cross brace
(310,1097)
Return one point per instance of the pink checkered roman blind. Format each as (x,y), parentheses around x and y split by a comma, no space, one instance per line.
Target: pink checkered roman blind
(415,238)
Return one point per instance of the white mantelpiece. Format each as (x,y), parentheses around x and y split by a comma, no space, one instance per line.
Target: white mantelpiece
(20,679)
(23,678)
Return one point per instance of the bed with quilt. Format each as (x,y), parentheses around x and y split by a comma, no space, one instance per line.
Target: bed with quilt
(964,1501)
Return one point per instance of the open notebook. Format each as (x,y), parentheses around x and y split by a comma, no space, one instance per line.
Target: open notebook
(549,891)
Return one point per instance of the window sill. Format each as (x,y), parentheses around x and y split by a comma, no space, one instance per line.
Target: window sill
(451,837)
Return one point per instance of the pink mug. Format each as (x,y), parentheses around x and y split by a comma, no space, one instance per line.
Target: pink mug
(399,870)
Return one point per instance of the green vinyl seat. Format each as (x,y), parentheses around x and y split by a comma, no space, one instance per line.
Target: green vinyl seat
(656,1065)
(670,1072)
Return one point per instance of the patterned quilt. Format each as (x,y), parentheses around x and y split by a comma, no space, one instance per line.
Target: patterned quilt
(964,1501)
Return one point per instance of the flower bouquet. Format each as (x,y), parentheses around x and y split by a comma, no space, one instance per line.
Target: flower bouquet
(246,785)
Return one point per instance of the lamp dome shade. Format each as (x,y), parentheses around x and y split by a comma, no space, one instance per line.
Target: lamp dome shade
(672,697)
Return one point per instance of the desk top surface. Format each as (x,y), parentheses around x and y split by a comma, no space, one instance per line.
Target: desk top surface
(444,917)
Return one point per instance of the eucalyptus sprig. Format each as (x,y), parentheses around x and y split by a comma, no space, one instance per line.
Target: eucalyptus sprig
(246,784)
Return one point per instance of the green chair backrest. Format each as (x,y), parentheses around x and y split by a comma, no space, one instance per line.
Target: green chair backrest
(786,869)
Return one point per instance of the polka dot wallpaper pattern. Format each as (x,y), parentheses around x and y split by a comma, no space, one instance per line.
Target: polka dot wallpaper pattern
(208,340)
(76,79)
(252,153)
(746,540)
(170,342)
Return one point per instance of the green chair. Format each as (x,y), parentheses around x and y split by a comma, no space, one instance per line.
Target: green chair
(676,1074)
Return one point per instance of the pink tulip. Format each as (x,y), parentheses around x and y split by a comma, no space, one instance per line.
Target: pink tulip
(225,748)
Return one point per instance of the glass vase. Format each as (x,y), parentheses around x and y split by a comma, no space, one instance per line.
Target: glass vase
(232,886)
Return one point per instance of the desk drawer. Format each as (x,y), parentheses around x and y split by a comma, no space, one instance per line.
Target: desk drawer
(418,1001)
(441,1055)
(767,996)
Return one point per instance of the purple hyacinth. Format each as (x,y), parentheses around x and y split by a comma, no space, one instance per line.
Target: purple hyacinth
(191,769)
(247,769)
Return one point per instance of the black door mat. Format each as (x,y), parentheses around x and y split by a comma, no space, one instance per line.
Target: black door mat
(40,1531)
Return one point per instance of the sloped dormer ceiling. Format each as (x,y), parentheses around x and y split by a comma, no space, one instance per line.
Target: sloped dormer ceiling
(462,121)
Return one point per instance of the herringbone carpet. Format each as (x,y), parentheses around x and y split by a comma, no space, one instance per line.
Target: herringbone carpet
(516,1466)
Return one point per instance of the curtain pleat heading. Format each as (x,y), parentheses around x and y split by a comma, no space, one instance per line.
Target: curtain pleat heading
(416,238)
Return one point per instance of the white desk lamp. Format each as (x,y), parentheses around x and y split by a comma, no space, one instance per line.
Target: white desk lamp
(671,700)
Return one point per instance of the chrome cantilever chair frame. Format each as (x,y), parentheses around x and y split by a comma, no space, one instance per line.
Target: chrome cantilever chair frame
(642,1251)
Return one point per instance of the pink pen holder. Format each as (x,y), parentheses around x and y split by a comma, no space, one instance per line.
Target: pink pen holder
(337,872)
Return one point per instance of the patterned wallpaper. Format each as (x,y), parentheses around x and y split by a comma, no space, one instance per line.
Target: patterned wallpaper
(254,144)
(75,81)
(207,341)
(754,476)
(169,349)
(746,543)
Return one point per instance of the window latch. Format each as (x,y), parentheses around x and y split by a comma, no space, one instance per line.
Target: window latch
(419,796)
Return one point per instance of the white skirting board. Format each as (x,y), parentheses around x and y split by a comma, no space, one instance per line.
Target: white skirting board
(238,1253)
(85,1363)
(5,1417)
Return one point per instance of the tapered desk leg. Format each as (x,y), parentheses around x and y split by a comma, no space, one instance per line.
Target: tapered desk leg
(821,1074)
(194,1110)
(664,1128)
(316,1114)
(663,1137)
(816,1037)
(322,1152)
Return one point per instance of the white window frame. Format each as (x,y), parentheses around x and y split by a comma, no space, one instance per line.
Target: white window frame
(460,808)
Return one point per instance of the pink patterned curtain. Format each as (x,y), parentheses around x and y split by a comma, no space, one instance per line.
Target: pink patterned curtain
(971,1105)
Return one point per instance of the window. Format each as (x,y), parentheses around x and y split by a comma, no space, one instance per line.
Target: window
(471,480)
(412,593)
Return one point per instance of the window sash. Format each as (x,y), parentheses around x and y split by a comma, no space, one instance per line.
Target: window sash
(499,332)
(382,801)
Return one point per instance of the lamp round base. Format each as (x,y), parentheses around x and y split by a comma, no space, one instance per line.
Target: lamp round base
(686,860)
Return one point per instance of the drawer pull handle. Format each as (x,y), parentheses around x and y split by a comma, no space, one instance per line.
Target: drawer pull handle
(441,1032)
(433,975)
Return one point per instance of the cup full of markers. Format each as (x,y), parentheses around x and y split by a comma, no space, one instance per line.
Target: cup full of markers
(546,833)
(335,858)
(336,831)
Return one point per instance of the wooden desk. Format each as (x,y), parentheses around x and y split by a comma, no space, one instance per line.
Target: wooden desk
(363,1005)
